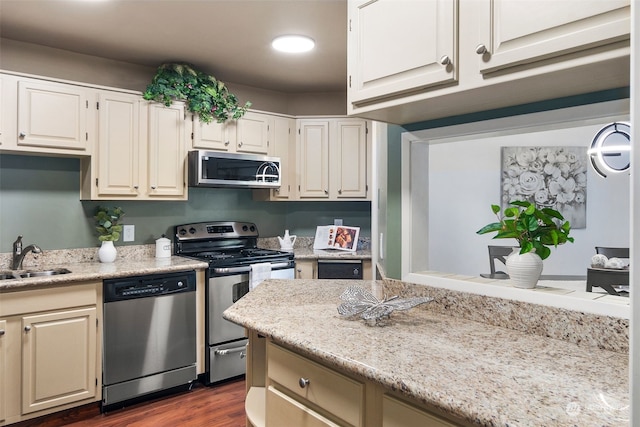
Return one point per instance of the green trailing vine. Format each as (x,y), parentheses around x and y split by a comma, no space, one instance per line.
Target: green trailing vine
(204,95)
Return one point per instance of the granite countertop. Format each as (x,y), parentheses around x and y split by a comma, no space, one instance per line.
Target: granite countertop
(482,374)
(84,271)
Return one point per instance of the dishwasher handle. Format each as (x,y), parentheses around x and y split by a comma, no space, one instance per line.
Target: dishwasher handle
(228,351)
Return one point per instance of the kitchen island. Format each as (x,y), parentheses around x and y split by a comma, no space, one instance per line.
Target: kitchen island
(458,371)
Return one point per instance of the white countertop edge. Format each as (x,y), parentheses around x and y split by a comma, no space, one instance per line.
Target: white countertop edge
(600,306)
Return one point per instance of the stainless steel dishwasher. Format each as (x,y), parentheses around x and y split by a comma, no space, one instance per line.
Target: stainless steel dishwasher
(149,336)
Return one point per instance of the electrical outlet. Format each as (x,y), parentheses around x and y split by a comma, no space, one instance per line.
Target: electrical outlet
(337,221)
(128,233)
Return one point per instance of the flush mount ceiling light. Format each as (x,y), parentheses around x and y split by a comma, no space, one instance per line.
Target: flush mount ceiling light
(610,149)
(293,44)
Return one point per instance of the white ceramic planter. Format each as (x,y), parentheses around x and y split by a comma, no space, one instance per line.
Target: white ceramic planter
(107,252)
(524,270)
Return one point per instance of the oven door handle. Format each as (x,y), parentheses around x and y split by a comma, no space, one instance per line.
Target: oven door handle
(240,350)
(246,269)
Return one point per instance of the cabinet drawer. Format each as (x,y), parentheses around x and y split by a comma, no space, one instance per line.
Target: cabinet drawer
(329,390)
(283,410)
(396,413)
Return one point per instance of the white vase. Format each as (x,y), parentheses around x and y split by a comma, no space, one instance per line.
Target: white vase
(524,270)
(107,252)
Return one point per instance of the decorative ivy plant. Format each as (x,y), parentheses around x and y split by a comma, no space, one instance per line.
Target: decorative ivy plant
(204,95)
(107,223)
(533,228)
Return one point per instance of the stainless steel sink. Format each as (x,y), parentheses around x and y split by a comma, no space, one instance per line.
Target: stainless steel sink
(39,273)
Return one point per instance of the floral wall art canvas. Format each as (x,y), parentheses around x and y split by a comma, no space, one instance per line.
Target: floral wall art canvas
(554,177)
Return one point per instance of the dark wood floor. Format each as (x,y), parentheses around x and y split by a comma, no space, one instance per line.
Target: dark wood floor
(218,406)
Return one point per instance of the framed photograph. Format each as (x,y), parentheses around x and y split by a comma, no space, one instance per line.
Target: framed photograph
(553,177)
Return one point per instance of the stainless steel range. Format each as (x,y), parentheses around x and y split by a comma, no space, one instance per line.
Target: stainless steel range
(231,250)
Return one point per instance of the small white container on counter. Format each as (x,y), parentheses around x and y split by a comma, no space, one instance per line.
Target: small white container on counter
(163,247)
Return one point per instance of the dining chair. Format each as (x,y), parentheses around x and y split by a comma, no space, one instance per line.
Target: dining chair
(497,253)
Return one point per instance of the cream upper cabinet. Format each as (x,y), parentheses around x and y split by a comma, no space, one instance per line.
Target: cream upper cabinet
(416,60)
(141,151)
(333,159)
(214,136)
(45,117)
(512,33)
(50,350)
(399,47)
(313,159)
(249,134)
(349,159)
(253,133)
(118,149)
(167,152)
(283,146)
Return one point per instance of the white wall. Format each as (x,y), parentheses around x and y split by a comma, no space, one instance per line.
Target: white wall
(464,180)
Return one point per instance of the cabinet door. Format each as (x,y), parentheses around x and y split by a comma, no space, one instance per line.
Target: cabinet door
(526,31)
(313,159)
(348,170)
(396,413)
(285,411)
(52,115)
(166,151)
(58,358)
(253,133)
(398,47)
(118,145)
(283,146)
(3,358)
(306,269)
(214,136)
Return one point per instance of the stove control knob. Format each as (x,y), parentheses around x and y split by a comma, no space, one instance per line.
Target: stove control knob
(252,228)
(182,232)
(192,230)
(244,228)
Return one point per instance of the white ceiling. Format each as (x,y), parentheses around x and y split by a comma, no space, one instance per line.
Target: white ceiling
(229,39)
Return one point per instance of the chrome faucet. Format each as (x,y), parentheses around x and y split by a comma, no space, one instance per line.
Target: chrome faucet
(19,253)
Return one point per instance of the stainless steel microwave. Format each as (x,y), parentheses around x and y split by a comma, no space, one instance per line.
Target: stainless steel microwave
(216,169)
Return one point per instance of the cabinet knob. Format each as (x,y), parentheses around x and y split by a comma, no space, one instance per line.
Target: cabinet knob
(27,328)
(340,191)
(135,187)
(326,191)
(226,143)
(445,60)
(1,332)
(153,187)
(22,135)
(303,382)
(481,49)
(240,144)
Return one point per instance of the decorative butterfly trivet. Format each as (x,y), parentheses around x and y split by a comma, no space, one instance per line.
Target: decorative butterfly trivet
(359,301)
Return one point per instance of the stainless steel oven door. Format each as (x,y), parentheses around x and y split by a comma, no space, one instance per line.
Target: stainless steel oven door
(222,292)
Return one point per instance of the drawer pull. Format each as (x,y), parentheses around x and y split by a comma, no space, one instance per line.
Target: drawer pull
(27,328)
(303,382)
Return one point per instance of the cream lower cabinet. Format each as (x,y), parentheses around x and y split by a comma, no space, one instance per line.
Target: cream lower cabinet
(306,269)
(50,351)
(333,159)
(44,117)
(141,151)
(288,389)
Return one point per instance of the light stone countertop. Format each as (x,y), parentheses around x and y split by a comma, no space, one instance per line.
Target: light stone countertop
(85,271)
(482,374)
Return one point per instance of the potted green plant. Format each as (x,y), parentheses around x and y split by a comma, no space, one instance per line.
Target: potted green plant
(204,95)
(535,230)
(109,229)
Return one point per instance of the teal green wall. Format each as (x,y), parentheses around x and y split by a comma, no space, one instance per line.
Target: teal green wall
(393,264)
(39,198)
